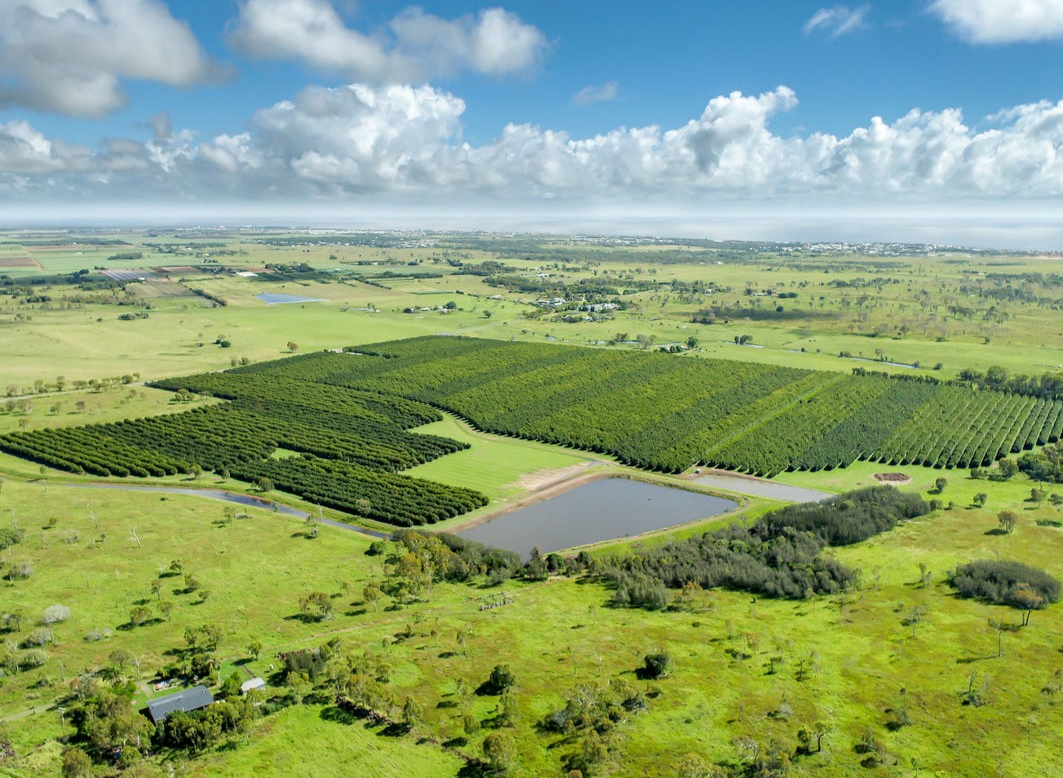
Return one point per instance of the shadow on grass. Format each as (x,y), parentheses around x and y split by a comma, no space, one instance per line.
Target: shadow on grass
(305,618)
(337,715)
(475,769)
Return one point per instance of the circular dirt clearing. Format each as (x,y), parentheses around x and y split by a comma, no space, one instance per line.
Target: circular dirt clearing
(893,478)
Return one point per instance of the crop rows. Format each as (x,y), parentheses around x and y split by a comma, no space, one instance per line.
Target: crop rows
(658,411)
(958,427)
(348,415)
(352,443)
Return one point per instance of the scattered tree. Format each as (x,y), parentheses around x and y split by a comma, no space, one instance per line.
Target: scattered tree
(1007,521)
(371,595)
(317,605)
(1006,468)
(412,713)
(1026,599)
(500,681)
(500,751)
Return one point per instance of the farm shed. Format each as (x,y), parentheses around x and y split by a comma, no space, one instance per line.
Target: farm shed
(254,683)
(179,702)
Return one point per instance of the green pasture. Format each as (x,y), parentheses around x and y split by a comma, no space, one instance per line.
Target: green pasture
(87,340)
(277,750)
(494,464)
(851,660)
(71,408)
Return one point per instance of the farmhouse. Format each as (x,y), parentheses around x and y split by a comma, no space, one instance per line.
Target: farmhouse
(179,702)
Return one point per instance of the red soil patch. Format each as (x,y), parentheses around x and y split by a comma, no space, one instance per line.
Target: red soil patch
(17,262)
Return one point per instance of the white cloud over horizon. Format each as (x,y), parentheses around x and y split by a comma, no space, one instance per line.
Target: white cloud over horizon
(837,20)
(1002,21)
(417,46)
(361,143)
(70,56)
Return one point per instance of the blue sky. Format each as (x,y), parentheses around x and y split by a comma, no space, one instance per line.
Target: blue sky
(540,114)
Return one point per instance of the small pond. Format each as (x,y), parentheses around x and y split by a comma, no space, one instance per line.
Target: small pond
(284,299)
(600,510)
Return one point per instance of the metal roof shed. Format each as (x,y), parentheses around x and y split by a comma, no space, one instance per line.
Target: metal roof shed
(179,702)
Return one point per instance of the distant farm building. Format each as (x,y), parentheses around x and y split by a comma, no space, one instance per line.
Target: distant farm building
(251,685)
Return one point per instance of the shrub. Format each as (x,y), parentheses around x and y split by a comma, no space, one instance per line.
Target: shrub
(34,658)
(41,636)
(54,614)
(655,665)
(20,570)
(9,537)
(96,634)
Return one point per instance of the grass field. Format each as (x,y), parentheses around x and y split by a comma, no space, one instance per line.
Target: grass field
(928,310)
(744,667)
(849,659)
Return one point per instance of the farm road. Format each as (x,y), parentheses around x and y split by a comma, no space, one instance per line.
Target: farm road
(759,487)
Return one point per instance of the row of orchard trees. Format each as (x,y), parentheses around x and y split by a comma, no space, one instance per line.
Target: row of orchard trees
(658,411)
(352,443)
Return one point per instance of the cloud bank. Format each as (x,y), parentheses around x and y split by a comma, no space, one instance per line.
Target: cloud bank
(367,143)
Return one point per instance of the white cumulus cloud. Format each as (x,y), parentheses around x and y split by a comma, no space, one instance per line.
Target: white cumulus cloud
(70,56)
(25,150)
(837,20)
(416,46)
(1002,21)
